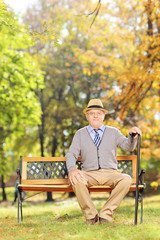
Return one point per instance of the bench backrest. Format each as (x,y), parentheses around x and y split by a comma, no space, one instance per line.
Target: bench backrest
(52,170)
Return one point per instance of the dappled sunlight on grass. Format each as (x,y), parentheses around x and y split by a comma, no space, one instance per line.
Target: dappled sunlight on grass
(64,220)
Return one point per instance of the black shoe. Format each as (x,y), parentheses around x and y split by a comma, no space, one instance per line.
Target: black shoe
(93,220)
(103,220)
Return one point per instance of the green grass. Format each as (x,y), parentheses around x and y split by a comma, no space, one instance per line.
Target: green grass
(64,220)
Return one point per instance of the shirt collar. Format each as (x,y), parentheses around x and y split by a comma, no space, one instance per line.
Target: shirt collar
(90,129)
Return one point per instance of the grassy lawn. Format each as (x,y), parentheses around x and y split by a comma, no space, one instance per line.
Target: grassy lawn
(64,220)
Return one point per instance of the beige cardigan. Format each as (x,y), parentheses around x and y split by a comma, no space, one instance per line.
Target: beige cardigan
(94,158)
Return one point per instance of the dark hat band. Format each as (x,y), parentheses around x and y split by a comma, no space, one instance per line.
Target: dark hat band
(95,106)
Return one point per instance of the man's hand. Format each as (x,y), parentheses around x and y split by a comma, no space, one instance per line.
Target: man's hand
(135,131)
(75,176)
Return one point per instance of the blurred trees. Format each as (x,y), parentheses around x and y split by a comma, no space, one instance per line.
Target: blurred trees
(75,72)
(117,60)
(19,77)
(138,98)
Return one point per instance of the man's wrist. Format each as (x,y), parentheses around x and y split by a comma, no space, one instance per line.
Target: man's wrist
(71,168)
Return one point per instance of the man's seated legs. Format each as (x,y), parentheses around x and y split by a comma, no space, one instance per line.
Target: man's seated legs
(83,196)
(121,184)
(113,178)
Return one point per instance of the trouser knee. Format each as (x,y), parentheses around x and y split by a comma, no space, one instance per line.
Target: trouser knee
(78,186)
(127,180)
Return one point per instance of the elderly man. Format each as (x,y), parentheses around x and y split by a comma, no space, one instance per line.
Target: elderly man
(97,144)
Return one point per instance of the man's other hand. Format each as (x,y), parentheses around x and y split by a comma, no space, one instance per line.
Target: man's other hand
(75,176)
(135,131)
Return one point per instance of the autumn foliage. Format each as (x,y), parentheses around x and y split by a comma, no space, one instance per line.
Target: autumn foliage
(116,59)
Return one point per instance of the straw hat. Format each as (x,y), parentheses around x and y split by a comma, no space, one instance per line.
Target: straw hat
(95,104)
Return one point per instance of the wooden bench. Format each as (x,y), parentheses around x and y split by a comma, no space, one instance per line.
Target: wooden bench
(49,174)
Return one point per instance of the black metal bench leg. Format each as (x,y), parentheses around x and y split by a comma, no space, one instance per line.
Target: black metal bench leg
(136,207)
(21,208)
(137,180)
(141,207)
(20,205)
(139,198)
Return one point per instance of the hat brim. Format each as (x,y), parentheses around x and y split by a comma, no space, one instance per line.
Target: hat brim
(101,109)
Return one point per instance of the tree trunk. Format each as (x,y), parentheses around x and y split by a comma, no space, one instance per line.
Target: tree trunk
(54,147)
(41,136)
(41,127)
(2,162)
(4,197)
(149,9)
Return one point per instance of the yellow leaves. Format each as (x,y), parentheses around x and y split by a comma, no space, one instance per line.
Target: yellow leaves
(113,123)
(111,93)
(86,71)
(145,126)
(87,57)
(67,64)
(156,85)
(146,153)
(156,152)
(122,113)
(154,185)
(146,143)
(92,63)
(103,78)
(111,74)
(149,148)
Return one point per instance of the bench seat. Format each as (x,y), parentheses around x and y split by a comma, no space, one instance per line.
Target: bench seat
(68,188)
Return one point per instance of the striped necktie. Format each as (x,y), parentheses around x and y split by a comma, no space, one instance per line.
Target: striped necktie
(97,138)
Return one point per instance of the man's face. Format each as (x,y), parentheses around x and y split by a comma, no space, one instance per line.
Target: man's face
(95,118)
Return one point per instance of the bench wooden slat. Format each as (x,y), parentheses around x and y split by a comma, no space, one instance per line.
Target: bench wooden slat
(45,181)
(44,159)
(68,188)
(49,181)
(54,159)
(24,170)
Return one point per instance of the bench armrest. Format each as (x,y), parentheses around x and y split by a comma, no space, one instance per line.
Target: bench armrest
(18,171)
(141,177)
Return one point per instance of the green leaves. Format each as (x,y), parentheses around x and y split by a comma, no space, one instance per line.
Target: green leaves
(20,78)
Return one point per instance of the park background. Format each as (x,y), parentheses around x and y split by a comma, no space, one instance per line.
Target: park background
(58,55)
